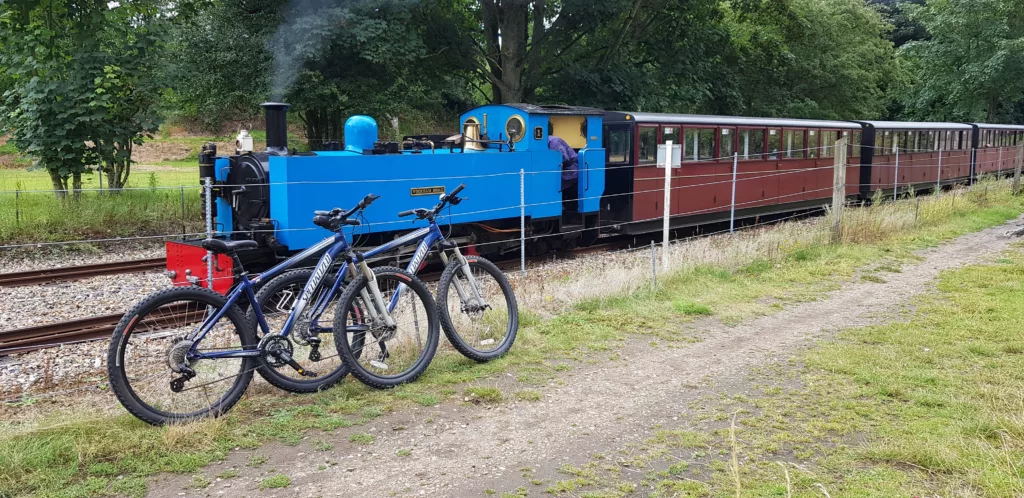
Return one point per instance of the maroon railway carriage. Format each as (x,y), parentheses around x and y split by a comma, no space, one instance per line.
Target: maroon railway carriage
(919,146)
(996,147)
(784,165)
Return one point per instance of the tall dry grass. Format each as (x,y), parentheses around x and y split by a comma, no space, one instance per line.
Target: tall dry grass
(555,287)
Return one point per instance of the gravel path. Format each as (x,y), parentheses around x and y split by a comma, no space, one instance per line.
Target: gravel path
(464,450)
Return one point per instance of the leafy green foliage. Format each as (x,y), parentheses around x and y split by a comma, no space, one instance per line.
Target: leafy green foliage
(79,88)
(812,59)
(328,59)
(972,67)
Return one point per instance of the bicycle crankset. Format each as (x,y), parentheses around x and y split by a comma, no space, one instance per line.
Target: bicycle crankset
(277,352)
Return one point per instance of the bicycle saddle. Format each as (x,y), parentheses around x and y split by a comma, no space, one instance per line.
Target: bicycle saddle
(219,246)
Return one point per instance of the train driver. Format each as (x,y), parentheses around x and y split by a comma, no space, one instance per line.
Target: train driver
(570,170)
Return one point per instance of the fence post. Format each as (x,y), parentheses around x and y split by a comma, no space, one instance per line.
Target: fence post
(1016,169)
(208,194)
(667,206)
(522,221)
(938,181)
(838,190)
(654,268)
(999,167)
(974,158)
(17,206)
(732,205)
(183,230)
(896,176)
(101,178)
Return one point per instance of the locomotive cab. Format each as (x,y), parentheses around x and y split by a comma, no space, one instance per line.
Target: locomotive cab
(578,199)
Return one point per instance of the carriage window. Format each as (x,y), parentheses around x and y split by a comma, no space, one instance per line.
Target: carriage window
(618,146)
(812,143)
(828,143)
(727,142)
(751,144)
(942,140)
(774,144)
(883,143)
(648,145)
(794,143)
(698,144)
(669,133)
(857,137)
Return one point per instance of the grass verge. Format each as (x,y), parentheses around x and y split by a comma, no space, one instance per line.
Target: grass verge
(927,407)
(82,455)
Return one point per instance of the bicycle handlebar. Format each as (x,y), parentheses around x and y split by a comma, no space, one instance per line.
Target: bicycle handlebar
(335,218)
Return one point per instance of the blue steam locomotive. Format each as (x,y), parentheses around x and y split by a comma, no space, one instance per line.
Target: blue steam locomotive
(270,196)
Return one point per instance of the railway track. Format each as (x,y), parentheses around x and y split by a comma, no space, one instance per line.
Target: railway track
(102,327)
(85,329)
(78,272)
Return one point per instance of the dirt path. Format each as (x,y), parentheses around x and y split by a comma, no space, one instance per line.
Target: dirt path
(461,450)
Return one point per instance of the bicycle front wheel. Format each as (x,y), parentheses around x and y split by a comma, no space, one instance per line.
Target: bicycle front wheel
(478,311)
(378,354)
(151,367)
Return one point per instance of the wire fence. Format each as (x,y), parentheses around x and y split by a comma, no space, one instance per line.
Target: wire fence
(163,207)
(819,197)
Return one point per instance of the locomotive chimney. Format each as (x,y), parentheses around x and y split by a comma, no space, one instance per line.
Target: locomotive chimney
(277,127)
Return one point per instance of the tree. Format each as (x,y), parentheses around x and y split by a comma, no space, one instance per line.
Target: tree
(129,90)
(972,66)
(328,58)
(822,59)
(905,28)
(71,103)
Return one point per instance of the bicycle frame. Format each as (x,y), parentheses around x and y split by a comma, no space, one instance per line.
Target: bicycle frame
(335,245)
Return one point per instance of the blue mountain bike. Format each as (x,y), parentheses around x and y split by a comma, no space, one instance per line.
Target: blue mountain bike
(187,353)
(476,304)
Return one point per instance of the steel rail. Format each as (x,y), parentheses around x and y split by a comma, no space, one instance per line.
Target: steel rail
(50,275)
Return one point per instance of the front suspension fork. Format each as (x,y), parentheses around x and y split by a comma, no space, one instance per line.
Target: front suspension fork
(464,267)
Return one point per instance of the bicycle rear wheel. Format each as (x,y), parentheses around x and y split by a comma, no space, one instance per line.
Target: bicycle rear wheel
(149,344)
(277,299)
(481,331)
(382,356)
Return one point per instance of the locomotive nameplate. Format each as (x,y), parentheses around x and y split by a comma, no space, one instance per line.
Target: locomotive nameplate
(426,191)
